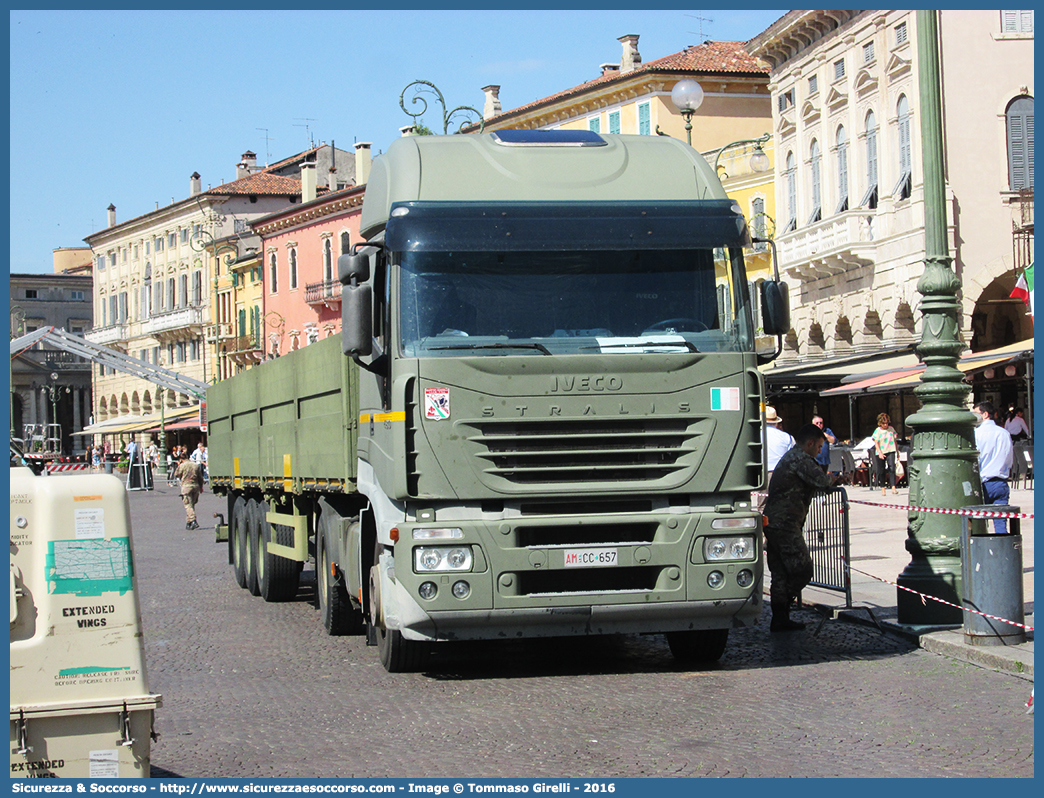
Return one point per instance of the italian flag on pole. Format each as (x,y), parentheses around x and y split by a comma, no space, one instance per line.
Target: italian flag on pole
(1024,288)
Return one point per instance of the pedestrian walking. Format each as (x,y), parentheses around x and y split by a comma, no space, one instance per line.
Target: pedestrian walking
(823,458)
(885,452)
(995,456)
(796,477)
(96,455)
(190,475)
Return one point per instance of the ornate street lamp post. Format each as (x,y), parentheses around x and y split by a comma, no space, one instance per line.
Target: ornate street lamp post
(417,99)
(943,473)
(54,391)
(687,96)
(759,161)
(17,331)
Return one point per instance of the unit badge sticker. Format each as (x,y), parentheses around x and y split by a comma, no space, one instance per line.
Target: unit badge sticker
(436,404)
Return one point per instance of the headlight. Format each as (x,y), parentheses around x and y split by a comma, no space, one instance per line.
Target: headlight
(441,558)
(729,548)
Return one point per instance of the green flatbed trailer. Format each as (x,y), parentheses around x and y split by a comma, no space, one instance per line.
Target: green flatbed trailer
(544,415)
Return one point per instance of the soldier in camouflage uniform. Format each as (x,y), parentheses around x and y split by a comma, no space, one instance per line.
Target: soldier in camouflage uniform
(796,477)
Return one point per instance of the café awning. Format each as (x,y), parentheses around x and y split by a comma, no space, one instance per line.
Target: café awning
(906,379)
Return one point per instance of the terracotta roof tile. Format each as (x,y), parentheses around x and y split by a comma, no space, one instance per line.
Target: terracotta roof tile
(706,58)
(259,183)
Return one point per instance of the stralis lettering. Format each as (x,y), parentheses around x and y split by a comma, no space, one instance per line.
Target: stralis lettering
(596,383)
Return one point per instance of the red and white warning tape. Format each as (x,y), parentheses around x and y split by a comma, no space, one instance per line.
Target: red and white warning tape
(52,467)
(924,596)
(943,511)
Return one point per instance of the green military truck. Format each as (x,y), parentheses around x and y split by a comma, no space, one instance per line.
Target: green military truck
(543,416)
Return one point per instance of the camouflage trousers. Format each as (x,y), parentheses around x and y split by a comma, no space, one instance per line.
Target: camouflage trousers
(789,563)
(189,500)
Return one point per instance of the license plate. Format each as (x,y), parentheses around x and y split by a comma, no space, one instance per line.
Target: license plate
(589,558)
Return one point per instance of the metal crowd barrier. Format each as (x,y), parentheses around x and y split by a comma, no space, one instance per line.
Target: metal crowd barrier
(827,536)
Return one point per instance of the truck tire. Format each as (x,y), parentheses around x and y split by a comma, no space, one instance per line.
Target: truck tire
(335,606)
(276,576)
(237,539)
(701,645)
(398,655)
(252,545)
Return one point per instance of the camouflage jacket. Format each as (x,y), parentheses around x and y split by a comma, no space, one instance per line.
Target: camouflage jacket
(796,477)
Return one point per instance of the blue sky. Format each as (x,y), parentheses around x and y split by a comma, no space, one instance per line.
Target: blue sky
(122,106)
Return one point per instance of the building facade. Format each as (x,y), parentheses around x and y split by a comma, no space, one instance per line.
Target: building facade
(49,386)
(155,275)
(849,182)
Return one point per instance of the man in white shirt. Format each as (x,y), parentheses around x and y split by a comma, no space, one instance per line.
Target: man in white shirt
(995,454)
(777,442)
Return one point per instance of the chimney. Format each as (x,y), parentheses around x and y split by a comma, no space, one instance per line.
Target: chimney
(194,188)
(492,106)
(307,181)
(247,165)
(608,69)
(112,215)
(362,162)
(631,57)
(408,130)
(331,178)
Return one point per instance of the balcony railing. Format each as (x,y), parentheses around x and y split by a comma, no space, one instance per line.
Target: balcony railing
(173,320)
(828,247)
(107,335)
(326,293)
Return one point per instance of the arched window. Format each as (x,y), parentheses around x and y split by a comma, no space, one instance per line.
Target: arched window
(1019,117)
(790,181)
(842,170)
(905,184)
(293,269)
(327,261)
(817,194)
(273,274)
(346,243)
(870,197)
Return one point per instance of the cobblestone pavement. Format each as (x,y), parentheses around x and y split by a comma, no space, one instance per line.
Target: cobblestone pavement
(252,689)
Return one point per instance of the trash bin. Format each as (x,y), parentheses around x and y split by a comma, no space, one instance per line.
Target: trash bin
(991,576)
(108,466)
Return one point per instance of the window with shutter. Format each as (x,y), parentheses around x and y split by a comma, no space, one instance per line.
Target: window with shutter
(903,186)
(817,199)
(644,120)
(790,179)
(870,197)
(1020,143)
(614,122)
(842,171)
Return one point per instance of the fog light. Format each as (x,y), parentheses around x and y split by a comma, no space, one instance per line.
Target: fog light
(745,578)
(716,579)
(461,590)
(427,590)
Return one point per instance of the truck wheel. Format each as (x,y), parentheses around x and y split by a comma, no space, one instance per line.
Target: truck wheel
(398,655)
(237,540)
(276,576)
(702,645)
(251,548)
(335,606)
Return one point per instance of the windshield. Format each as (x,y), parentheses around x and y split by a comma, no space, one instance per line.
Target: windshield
(590,302)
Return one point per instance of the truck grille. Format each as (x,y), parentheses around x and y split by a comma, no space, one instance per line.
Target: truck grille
(560,452)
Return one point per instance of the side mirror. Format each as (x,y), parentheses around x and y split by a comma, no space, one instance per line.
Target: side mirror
(356,265)
(775,307)
(356,318)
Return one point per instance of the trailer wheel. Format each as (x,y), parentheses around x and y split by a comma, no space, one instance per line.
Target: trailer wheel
(398,655)
(335,607)
(237,540)
(701,645)
(252,546)
(276,576)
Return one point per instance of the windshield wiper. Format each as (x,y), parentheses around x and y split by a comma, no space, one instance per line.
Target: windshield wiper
(539,347)
(644,345)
